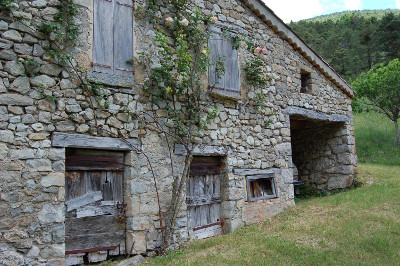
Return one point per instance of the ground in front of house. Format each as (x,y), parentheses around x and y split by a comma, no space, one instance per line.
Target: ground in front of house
(360,226)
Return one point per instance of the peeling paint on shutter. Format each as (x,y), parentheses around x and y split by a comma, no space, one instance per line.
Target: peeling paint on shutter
(123,37)
(103,36)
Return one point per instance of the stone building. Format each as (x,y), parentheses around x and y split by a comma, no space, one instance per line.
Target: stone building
(61,179)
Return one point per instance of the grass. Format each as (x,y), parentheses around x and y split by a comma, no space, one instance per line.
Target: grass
(360,226)
(376,139)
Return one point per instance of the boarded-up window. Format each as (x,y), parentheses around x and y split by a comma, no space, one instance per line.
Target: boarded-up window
(204,197)
(113,36)
(261,187)
(222,49)
(95,217)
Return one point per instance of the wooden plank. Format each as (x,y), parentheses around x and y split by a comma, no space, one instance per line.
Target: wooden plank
(75,185)
(94,233)
(90,211)
(94,180)
(232,79)
(123,37)
(83,200)
(89,142)
(82,159)
(81,243)
(93,225)
(107,185)
(215,213)
(103,36)
(206,232)
(117,178)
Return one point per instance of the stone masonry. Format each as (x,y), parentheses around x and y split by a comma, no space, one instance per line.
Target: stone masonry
(32,174)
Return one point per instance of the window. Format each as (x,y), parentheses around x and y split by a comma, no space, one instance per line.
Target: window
(261,187)
(113,36)
(305,82)
(229,84)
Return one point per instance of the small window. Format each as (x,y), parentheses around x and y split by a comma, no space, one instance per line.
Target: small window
(305,82)
(222,47)
(261,187)
(113,36)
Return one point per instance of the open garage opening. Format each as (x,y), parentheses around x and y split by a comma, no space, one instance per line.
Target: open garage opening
(322,153)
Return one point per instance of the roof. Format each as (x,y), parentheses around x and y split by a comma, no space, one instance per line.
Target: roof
(259,8)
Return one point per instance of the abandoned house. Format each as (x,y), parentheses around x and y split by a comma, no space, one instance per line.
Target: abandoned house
(72,194)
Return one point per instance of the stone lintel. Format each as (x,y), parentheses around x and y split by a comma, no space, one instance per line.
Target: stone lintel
(66,140)
(313,115)
(110,79)
(247,172)
(203,150)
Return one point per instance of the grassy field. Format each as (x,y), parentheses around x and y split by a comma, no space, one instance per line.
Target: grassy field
(376,139)
(360,226)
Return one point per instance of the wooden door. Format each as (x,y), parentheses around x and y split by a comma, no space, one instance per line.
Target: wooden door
(204,197)
(95,218)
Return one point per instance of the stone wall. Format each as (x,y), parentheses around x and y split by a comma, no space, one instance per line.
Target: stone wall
(32,169)
(323,155)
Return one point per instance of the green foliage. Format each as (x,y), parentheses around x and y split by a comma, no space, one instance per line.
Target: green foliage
(62,32)
(256,72)
(378,14)
(183,59)
(375,139)
(353,43)
(382,88)
(6,6)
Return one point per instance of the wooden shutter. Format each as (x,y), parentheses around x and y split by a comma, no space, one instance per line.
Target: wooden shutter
(203,197)
(103,36)
(95,218)
(123,37)
(215,44)
(229,84)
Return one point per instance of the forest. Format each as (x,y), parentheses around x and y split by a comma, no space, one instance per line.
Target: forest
(353,42)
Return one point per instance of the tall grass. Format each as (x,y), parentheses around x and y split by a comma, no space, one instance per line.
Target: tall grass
(376,139)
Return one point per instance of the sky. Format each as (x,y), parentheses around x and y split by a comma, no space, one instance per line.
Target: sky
(296,10)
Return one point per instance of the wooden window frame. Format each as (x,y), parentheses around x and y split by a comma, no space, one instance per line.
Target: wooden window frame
(232,93)
(253,178)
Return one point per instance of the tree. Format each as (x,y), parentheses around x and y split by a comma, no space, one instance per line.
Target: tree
(389,35)
(382,88)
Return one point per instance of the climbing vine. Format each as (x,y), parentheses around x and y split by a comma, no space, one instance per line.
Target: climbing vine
(6,6)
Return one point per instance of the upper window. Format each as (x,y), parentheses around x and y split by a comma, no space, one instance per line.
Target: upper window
(222,49)
(261,187)
(113,36)
(305,82)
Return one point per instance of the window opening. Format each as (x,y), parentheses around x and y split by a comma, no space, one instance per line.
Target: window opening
(261,187)
(305,82)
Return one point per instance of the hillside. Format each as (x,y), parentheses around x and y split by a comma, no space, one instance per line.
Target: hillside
(353,42)
(379,14)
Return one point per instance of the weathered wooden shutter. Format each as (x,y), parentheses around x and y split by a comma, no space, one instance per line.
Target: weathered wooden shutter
(123,37)
(229,84)
(103,36)
(95,218)
(204,197)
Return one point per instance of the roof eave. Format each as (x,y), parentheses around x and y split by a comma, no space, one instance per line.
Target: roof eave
(278,26)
